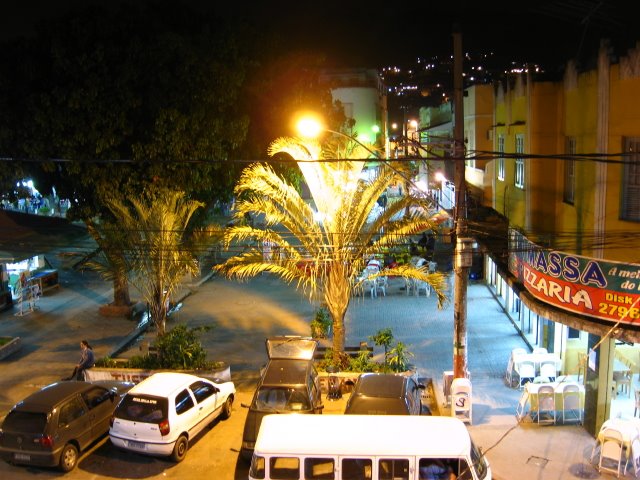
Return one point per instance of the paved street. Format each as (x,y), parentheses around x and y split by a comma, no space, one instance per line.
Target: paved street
(242,316)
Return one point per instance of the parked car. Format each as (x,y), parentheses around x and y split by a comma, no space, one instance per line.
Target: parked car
(386,394)
(164,412)
(53,425)
(288,384)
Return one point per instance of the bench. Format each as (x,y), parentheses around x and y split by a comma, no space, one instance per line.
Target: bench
(353,352)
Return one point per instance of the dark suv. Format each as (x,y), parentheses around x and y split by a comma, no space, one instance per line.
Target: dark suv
(386,394)
(51,426)
(288,384)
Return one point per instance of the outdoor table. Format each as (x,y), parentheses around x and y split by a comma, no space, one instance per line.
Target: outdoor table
(628,429)
(528,404)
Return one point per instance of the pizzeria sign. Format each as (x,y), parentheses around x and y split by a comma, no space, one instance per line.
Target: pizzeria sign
(602,289)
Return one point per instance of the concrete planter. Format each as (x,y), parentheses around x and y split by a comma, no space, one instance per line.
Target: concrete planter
(347,379)
(11,347)
(136,375)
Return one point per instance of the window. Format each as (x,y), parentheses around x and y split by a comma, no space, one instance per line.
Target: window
(568,193)
(284,468)
(357,469)
(501,157)
(202,390)
(393,469)
(319,469)
(257,467)
(70,411)
(630,208)
(519,180)
(183,402)
(95,396)
(573,333)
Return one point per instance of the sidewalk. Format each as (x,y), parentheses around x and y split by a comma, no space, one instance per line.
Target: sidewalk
(244,314)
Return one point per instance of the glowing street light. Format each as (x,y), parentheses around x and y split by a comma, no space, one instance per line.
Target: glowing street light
(310,127)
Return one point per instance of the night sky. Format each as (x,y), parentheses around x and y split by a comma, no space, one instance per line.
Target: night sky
(375,34)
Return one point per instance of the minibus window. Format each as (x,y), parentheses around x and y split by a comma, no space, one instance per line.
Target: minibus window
(439,468)
(319,469)
(284,468)
(393,469)
(357,468)
(477,457)
(257,467)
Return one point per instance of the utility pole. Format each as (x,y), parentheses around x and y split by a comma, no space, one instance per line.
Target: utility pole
(462,254)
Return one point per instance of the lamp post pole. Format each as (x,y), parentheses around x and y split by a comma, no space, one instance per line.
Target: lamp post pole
(460,264)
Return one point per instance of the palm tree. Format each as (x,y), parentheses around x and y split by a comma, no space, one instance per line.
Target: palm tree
(157,247)
(323,252)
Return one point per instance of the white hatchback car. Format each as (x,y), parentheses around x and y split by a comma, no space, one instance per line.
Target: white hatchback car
(161,414)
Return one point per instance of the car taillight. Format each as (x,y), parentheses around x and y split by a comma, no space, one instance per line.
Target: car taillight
(164,427)
(46,441)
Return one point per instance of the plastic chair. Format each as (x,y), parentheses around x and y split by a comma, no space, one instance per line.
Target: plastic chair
(381,285)
(526,371)
(571,404)
(369,286)
(611,452)
(420,285)
(637,407)
(546,404)
(539,350)
(548,369)
(623,382)
(635,456)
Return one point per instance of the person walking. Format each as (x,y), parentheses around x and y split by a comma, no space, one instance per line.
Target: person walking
(87,360)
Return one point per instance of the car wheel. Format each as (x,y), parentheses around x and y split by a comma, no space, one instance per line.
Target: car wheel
(180,449)
(226,408)
(68,458)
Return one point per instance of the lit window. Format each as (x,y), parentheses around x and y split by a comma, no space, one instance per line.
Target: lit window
(501,157)
(519,179)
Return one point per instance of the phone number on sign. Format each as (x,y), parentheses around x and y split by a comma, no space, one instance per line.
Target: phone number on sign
(619,311)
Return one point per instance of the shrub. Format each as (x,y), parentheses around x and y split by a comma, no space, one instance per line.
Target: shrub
(321,323)
(178,349)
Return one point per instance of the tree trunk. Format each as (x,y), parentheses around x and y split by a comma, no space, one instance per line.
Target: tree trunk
(121,296)
(337,294)
(159,312)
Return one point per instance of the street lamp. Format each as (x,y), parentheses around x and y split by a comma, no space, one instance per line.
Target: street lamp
(311,127)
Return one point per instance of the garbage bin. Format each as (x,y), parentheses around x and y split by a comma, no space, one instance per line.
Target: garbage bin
(334,392)
(461,399)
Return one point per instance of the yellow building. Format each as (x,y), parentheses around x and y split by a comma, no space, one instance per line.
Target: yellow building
(566,174)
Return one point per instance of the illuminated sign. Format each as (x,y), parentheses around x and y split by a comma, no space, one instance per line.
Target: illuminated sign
(601,289)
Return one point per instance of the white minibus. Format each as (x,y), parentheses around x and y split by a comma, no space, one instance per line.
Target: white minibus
(366,447)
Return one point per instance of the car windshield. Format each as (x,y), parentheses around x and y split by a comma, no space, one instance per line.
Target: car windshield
(142,408)
(26,422)
(279,398)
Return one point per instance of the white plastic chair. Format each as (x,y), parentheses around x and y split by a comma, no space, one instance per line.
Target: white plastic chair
(548,369)
(611,452)
(539,350)
(369,286)
(571,404)
(546,404)
(637,406)
(635,456)
(381,285)
(526,371)
(420,285)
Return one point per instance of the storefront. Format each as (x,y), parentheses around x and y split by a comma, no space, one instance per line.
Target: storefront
(591,325)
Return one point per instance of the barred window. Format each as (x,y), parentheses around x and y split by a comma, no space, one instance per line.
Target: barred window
(630,208)
(519,179)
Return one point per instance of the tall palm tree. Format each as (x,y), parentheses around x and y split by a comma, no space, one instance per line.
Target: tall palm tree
(158,247)
(323,252)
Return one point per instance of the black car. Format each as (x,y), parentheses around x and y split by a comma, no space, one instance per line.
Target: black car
(53,425)
(386,394)
(288,384)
